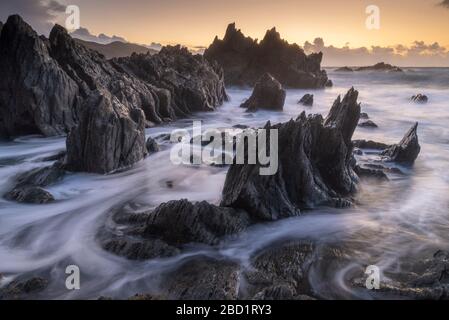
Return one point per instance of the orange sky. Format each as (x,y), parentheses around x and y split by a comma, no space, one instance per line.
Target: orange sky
(196,22)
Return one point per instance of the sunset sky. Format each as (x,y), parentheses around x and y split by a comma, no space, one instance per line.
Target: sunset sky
(196,22)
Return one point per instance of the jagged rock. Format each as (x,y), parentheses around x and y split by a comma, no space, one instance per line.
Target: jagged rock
(19,289)
(194,83)
(369,144)
(314,166)
(368,124)
(29,185)
(381,66)
(344,69)
(203,279)
(267,94)
(364,115)
(420,98)
(329,84)
(306,100)
(244,60)
(36,95)
(109,136)
(152,146)
(407,150)
(45,82)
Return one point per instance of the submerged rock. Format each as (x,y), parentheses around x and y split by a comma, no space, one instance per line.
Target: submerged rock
(314,166)
(381,66)
(407,150)
(364,115)
(109,136)
(244,60)
(369,144)
(368,124)
(344,69)
(306,100)
(420,98)
(370,173)
(267,94)
(152,146)
(29,187)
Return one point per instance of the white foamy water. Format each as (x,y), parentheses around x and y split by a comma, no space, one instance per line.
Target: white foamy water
(395,221)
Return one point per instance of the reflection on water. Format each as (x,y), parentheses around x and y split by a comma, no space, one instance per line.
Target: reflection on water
(405,217)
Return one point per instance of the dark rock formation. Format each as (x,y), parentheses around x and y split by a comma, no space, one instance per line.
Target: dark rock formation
(30,195)
(381,66)
(267,94)
(45,82)
(244,60)
(203,279)
(200,222)
(109,136)
(152,146)
(368,124)
(29,185)
(306,100)
(23,289)
(315,157)
(194,83)
(369,144)
(420,98)
(344,69)
(364,115)
(36,95)
(155,234)
(370,173)
(281,272)
(407,150)
(329,84)
(1,27)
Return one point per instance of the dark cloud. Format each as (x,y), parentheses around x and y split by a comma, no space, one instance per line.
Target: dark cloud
(84,34)
(417,54)
(40,14)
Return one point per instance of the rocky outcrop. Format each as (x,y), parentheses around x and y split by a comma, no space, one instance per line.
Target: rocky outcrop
(420,98)
(45,82)
(36,95)
(154,234)
(407,150)
(381,66)
(152,146)
(109,136)
(344,69)
(369,144)
(314,166)
(306,100)
(1,27)
(29,186)
(23,289)
(194,83)
(245,60)
(267,94)
(368,124)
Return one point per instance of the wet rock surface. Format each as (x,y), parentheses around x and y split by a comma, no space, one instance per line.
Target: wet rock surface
(306,100)
(23,289)
(244,60)
(315,169)
(368,124)
(267,94)
(420,98)
(407,150)
(109,136)
(369,144)
(45,82)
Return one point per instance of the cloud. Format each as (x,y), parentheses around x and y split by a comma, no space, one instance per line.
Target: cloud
(40,14)
(445,3)
(84,34)
(418,53)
